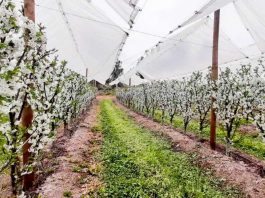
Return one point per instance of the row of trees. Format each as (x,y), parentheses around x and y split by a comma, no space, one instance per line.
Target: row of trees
(239,94)
(37,91)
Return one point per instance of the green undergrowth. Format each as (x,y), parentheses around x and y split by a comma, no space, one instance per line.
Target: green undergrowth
(140,164)
(250,144)
(3,156)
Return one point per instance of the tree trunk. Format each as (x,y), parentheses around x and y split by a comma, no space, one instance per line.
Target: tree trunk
(14,164)
(171,119)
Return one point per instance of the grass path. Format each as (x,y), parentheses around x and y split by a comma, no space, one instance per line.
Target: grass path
(138,164)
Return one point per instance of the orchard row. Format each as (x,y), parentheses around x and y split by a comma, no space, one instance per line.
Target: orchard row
(239,95)
(37,91)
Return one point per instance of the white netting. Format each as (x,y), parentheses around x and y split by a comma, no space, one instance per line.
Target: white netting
(91,33)
(84,33)
(97,43)
(186,52)
(127,9)
(210,7)
(253,16)
(242,36)
(153,23)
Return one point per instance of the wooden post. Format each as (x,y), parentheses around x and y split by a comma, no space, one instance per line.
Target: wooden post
(26,121)
(29,9)
(214,75)
(27,112)
(130,81)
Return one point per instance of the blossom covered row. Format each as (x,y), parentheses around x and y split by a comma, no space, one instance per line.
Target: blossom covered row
(238,95)
(32,77)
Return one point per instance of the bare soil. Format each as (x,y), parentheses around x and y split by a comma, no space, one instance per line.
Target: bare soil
(234,173)
(5,186)
(249,129)
(73,169)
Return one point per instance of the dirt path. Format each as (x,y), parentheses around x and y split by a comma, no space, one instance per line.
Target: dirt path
(76,167)
(233,172)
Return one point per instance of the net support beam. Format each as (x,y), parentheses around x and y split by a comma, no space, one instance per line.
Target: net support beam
(214,76)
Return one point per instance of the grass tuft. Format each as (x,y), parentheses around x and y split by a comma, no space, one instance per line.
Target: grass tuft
(67,194)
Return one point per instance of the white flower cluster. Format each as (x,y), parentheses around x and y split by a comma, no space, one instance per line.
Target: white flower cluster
(75,96)
(239,95)
(31,77)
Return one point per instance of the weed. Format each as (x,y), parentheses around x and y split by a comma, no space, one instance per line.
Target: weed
(96,128)
(67,194)
(77,169)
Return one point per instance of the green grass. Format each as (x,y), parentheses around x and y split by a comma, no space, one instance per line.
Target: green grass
(247,143)
(140,164)
(3,157)
(67,194)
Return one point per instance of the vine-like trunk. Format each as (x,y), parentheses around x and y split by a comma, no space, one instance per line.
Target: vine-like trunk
(153,112)
(65,126)
(186,123)
(229,128)
(171,118)
(163,116)
(14,163)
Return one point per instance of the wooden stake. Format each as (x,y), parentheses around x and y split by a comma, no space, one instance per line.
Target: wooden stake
(29,9)
(130,81)
(214,75)
(27,112)
(26,121)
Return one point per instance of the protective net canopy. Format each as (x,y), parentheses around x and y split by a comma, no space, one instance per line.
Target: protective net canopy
(188,47)
(253,17)
(127,9)
(186,52)
(84,34)
(94,35)
(204,11)
(153,23)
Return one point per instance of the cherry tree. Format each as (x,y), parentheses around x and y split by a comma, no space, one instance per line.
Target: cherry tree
(201,91)
(31,77)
